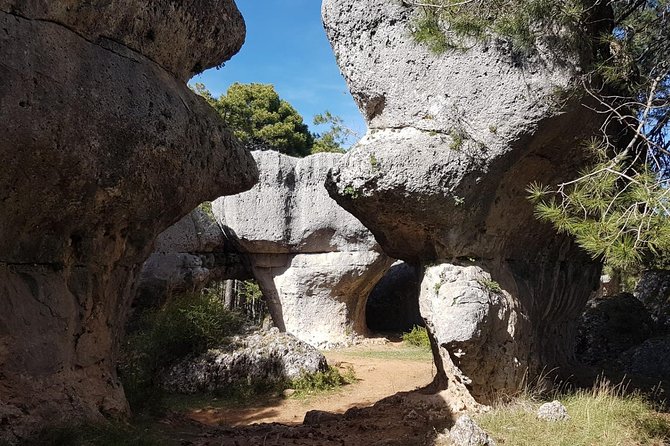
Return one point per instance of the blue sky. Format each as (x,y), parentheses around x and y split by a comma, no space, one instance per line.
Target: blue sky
(286,46)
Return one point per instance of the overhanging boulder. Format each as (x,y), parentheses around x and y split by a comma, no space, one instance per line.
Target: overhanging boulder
(454,140)
(103,147)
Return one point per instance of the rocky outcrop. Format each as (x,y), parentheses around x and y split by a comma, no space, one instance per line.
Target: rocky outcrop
(103,147)
(163,31)
(187,256)
(467,433)
(653,290)
(454,140)
(258,359)
(650,359)
(476,323)
(610,326)
(393,304)
(315,263)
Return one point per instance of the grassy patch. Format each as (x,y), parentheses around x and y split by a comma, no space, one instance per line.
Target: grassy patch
(407,353)
(239,395)
(491,285)
(331,379)
(600,417)
(418,337)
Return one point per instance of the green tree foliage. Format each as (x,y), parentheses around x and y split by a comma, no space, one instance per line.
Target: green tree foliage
(257,114)
(618,207)
(335,138)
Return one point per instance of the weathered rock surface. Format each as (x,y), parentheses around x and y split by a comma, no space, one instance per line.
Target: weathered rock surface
(610,326)
(454,140)
(260,358)
(315,263)
(161,30)
(653,290)
(650,359)
(102,148)
(553,412)
(477,326)
(467,433)
(188,255)
(393,304)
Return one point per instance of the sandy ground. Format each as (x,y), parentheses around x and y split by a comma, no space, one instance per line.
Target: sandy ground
(384,408)
(378,378)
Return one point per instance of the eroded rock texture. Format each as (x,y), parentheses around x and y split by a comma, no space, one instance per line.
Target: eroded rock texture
(262,358)
(315,263)
(653,290)
(441,176)
(187,256)
(103,147)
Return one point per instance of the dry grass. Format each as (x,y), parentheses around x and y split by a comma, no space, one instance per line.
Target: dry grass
(603,416)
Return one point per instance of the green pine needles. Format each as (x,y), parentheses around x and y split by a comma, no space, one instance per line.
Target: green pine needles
(617,208)
(451,24)
(616,211)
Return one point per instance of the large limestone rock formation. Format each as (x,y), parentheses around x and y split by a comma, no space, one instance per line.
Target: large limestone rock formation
(187,256)
(103,147)
(454,140)
(315,263)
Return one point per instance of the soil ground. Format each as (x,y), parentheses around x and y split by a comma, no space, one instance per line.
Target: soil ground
(381,371)
(384,407)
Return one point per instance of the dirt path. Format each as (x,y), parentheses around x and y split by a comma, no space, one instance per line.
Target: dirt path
(382,371)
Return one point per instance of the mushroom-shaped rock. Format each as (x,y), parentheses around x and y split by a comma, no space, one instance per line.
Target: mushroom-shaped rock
(315,262)
(103,147)
(454,141)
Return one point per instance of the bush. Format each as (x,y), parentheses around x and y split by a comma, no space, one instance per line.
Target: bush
(322,381)
(186,324)
(418,337)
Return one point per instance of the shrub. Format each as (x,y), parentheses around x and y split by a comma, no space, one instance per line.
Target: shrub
(322,381)
(187,324)
(418,337)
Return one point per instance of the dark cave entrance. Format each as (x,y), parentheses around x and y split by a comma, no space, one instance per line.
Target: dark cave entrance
(393,304)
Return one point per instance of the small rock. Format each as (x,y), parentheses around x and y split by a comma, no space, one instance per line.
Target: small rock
(314,417)
(466,433)
(554,411)
(288,392)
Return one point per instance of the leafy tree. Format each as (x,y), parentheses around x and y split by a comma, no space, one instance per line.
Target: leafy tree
(258,115)
(619,207)
(335,138)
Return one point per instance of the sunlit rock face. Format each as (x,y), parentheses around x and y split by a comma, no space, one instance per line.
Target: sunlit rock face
(440,178)
(103,147)
(315,262)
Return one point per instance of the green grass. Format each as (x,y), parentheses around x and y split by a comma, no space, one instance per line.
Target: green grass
(242,395)
(314,383)
(601,417)
(408,353)
(418,337)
